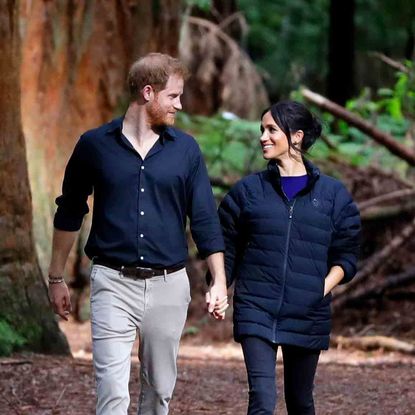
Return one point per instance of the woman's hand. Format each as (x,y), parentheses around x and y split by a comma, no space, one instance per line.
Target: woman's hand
(333,278)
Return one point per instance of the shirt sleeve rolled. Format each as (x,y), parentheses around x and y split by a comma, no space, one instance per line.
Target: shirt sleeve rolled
(77,186)
(204,221)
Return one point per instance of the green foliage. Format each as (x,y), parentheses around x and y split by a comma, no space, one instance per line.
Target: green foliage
(204,5)
(288,40)
(10,340)
(191,331)
(230,147)
(384,25)
(391,110)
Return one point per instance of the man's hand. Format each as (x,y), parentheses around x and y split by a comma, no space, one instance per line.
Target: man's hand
(60,300)
(217,300)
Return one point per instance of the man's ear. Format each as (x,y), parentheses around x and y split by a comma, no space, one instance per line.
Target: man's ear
(147,93)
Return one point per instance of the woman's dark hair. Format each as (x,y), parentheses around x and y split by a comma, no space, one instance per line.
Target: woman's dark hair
(292,116)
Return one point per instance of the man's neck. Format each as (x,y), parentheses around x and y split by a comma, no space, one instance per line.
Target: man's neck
(138,131)
(136,126)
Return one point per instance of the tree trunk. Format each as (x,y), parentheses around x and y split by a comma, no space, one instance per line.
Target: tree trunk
(25,315)
(340,86)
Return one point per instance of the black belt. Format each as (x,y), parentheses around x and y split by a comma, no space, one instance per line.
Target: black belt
(137,272)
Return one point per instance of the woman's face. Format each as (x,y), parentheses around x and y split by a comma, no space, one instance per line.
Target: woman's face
(273,141)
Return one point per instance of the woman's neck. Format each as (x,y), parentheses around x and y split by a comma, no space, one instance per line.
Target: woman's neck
(290,166)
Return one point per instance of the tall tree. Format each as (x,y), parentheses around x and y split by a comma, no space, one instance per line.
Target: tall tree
(340,85)
(25,314)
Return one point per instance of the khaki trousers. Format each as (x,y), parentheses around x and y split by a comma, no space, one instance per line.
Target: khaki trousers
(121,307)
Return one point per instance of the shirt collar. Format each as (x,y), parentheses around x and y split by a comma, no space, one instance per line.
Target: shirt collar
(116,124)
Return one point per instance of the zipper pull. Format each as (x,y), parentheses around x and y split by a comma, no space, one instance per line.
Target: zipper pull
(291,211)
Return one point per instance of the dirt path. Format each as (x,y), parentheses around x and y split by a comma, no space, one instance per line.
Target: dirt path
(211,380)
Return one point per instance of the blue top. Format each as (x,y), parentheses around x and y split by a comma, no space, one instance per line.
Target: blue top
(291,185)
(140,206)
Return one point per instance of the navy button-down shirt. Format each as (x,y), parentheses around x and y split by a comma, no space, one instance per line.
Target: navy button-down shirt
(140,206)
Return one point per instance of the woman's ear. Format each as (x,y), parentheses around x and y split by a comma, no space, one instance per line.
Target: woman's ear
(297,138)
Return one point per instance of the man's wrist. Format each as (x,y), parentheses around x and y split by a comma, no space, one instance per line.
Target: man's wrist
(55,275)
(55,279)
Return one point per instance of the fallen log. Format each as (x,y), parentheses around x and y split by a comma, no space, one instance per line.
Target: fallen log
(383,212)
(397,194)
(372,264)
(377,288)
(391,175)
(373,342)
(14,362)
(385,139)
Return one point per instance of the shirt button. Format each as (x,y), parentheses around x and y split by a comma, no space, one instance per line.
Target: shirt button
(141,257)
(141,235)
(142,189)
(142,167)
(141,213)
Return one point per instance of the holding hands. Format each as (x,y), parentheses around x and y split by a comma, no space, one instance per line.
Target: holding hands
(217,296)
(217,301)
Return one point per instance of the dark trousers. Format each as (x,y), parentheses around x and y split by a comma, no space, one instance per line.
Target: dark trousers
(299,369)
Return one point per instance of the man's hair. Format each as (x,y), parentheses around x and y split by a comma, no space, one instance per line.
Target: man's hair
(153,69)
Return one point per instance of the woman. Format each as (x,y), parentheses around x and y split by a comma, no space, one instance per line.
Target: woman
(291,236)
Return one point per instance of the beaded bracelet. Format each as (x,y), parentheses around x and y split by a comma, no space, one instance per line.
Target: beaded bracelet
(55,280)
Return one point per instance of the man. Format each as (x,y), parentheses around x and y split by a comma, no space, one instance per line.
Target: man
(147,177)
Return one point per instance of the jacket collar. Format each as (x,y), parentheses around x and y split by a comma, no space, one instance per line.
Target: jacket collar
(313,174)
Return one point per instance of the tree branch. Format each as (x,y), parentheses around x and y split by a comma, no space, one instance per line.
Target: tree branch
(379,136)
(397,194)
(383,212)
(377,288)
(372,264)
(389,61)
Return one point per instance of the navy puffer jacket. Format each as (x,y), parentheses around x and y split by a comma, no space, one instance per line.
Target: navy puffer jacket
(279,252)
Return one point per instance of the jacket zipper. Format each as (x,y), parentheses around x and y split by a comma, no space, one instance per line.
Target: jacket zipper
(284,272)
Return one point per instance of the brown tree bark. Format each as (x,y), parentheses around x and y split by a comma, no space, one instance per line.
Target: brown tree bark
(24,306)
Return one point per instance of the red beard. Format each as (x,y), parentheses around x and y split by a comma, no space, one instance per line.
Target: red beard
(157,117)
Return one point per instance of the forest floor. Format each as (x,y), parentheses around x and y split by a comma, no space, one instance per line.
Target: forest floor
(211,380)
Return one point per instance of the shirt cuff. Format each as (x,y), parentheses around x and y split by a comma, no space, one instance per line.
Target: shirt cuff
(65,222)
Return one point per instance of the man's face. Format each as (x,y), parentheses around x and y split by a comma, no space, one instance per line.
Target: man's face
(163,108)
